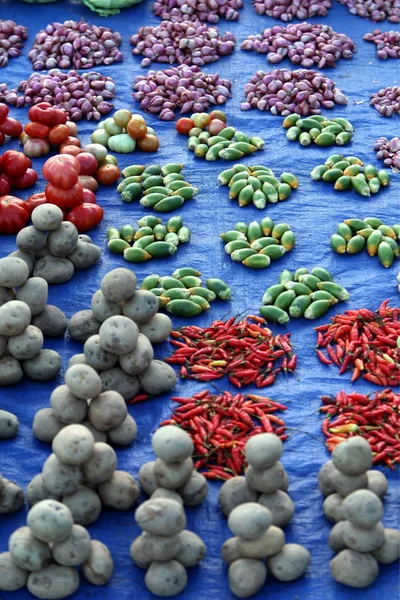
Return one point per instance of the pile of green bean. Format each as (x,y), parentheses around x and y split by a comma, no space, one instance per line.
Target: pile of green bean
(349,172)
(257,185)
(229,144)
(152,239)
(183,293)
(301,294)
(161,188)
(353,235)
(318,130)
(256,244)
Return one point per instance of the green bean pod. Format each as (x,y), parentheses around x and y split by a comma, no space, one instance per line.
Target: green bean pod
(149,221)
(171,168)
(241,254)
(285,276)
(300,289)
(310,281)
(241,137)
(317,309)
(144,241)
(343,183)
(263,242)
(150,282)
(274,314)
(314,133)
(168,204)
(191,281)
(161,249)
(246,195)
(201,150)
(237,187)
(383,177)
(113,234)
(365,233)
(186,272)
(257,142)
(169,283)
(344,138)
(162,302)
(266,225)
(395,248)
(318,172)
(254,232)
(131,192)
(235,245)
(125,182)
(338,243)
(238,168)
(355,245)
(183,308)
(333,128)
(152,181)
(203,292)
(219,287)
(326,138)
(270,191)
(354,160)
(345,231)
(347,126)
(225,176)
(157,189)
(274,252)
(285,299)
(374,185)
(152,199)
(117,246)
(231,235)
(322,274)
(159,231)
(230,153)
(335,289)
(332,175)
(202,302)
(373,222)
(322,295)
(298,273)
(360,186)
(255,182)
(184,234)
(241,227)
(299,305)
(290,120)
(309,123)
(176,294)
(271,294)
(385,254)
(333,159)
(259,199)
(140,232)
(228,133)
(284,191)
(257,261)
(136,255)
(293,133)
(132,170)
(373,242)
(193,142)
(290,179)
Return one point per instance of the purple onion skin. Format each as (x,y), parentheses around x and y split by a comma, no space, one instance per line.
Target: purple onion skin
(287,10)
(387,101)
(12,37)
(376,10)
(389,152)
(387,43)
(210,11)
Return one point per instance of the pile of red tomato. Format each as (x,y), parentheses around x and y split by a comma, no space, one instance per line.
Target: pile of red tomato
(8,126)
(48,127)
(15,172)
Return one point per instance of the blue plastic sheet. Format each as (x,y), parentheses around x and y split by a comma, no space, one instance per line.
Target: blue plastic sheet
(313,211)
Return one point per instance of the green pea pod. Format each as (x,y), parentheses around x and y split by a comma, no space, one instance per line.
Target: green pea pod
(352,170)
(257,142)
(266,225)
(171,168)
(338,243)
(161,249)
(162,302)
(347,126)
(143,231)
(345,231)
(325,139)
(187,192)
(144,241)
(344,138)
(355,245)
(270,191)
(132,170)
(332,175)
(322,295)
(285,299)
(288,240)
(284,191)
(361,187)
(241,137)
(355,224)
(168,179)
(254,232)
(299,306)
(203,292)
(238,168)
(219,287)
(243,147)
(230,154)
(241,254)
(270,179)
(259,171)
(263,243)
(322,274)
(240,176)
(136,255)
(343,183)
(169,204)
(157,189)
(290,120)
(255,182)
(300,289)
(383,177)
(169,283)
(150,282)
(273,252)
(310,281)
(152,181)
(317,309)
(125,182)
(201,150)
(314,133)
(298,273)
(370,172)
(152,170)
(373,222)
(184,308)
(215,139)
(365,233)
(186,272)
(293,133)
(202,302)
(342,164)
(160,231)
(374,185)
(176,294)
(193,142)
(279,230)
(334,128)
(190,281)
(172,238)
(395,248)
(271,294)
(113,234)
(274,314)
(333,159)
(229,236)
(149,221)
(257,261)
(385,254)
(174,224)
(373,242)
(227,133)
(242,227)
(156,291)
(225,176)
(335,289)
(246,195)
(285,276)
(354,160)
(237,187)
(117,246)
(309,123)
(259,199)
(319,118)
(214,151)
(152,199)
(396,229)
(290,179)
(184,234)
(235,245)
(132,192)
(318,171)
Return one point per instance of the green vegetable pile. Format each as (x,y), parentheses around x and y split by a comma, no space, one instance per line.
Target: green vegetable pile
(301,294)
(318,130)
(106,8)
(183,293)
(255,245)
(257,185)
(353,235)
(151,240)
(228,144)
(349,172)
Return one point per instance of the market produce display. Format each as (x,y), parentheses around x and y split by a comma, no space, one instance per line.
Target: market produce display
(387,101)
(209,11)
(9,127)
(376,10)
(387,43)
(124,132)
(106,8)
(388,151)
(258,185)
(349,172)
(365,342)
(152,239)
(183,293)
(12,38)
(353,235)
(11,500)
(16,172)
(48,128)
(286,10)
(318,130)
(256,244)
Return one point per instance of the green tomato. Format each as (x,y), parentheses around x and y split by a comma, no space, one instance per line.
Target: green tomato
(111,127)
(98,150)
(122,117)
(122,143)
(100,136)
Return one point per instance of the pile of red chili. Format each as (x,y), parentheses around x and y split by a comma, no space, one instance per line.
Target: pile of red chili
(366,342)
(244,350)
(220,426)
(376,418)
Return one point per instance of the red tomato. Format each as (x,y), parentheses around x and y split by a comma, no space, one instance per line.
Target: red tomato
(136,127)
(108,174)
(3,112)
(215,126)
(60,116)
(86,216)
(62,171)
(43,113)
(88,196)
(2,137)
(29,162)
(184,125)
(37,130)
(70,141)
(58,134)
(13,214)
(148,143)
(15,163)
(35,147)
(35,200)
(64,199)
(11,127)
(26,180)
(88,182)
(72,150)
(88,163)
(5,185)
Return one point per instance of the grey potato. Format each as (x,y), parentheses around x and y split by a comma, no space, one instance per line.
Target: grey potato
(11,576)
(44,366)
(27,257)
(101,465)
(51,321)
(173,475)
(27,344)
(263,450)
(116,379)
(377,483)
(36,491)
(157,329)
(73,445)
(161,517)
(268,544)
(30,239)
(390,549)
(230,550)
(84,504)
(166,579)
(11,497)
(3,344)
(141,307)
(147,479)
(75,549)
(354,569)
(195,490)
(53,582)
(249,521)
(169,494)
(54,270)
(59,478)
(325,478)
(63,240)
(107,410)
(28,552)
(99,436)
(77,359)
(103,308)
(246,577)
(47,217)
(138,555)
(96,356)
(118,285)
(98,568)
(15,316)
(363,508)
(363,540)
(83,381)
(233,493)
(34,293)
(353,457)
(46,425)
(347,484)
(161,548)
(9,425)
(336,539)
(266,481)
(193,549)
(7,294)
(118,335)
(42,253)
(84,255)
(172,444)
(139,359)
(50,521)
(120,491)
(290,563)
(333,508)
(13,272)
(83,325)
(280,505)
(123,434)
(158,378)
(10,370)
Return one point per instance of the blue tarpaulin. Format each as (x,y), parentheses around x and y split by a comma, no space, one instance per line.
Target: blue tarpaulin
(313,211)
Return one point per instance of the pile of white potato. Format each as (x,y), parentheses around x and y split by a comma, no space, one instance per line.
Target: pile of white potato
(81,473)
(42,555)
(172,475)
(11,497)
(24,319)
(257,506)
(52,248)
(353,502)
(165,548)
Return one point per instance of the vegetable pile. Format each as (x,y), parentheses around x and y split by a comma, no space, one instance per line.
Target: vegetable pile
(220,425)
(349,172)
(9,127)
(75,44)
(286,10)
(376,10)
(48,127)
(303,44)
(11,501)
(375,417)
(301,294)
(282,92)
(257,244)
(12,37)
(387,101)
(184,87)
(206,10)
(365,342)
(124,131)
(387,43)
(258,185)
(388,151)
(96,166)
(353,235)
(187,42)
(15,172)
(243,349)
(152,239)
(183,293)
(318,130)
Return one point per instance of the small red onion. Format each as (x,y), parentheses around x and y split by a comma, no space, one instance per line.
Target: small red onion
(283,92)
(387,43)
(376,10)
(184,87)
(197,10)
(12,37)
(387,101)
(75,44)
(286,10)
(388,151)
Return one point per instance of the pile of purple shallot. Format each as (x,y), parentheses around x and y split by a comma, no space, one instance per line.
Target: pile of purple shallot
(12,37)
(187,43)
(183,87)
(81,96)
(284,92)
(286,10)
(387,101)
(75,44)
(376,10)
(192,10)
(387,43)
(388,151)
(303,44)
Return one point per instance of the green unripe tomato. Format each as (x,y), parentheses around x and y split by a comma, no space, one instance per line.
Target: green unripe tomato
(122,117)
(100,136)
(122,143)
